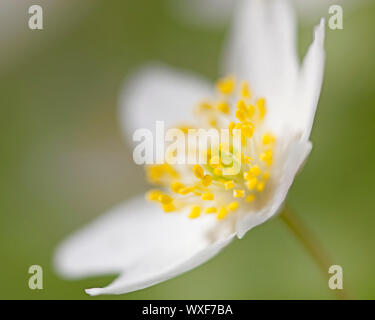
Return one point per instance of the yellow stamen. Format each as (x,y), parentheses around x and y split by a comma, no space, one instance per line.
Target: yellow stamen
(223,107)
(248,159)
(241,115)
(207,180)
(233,206)
(255,171)
(247,130)
(251,184)
(238,193)
(168,207)
(229,185)
(185,190)
(165,199)
(261,104)
(250,198)
(222,213)
(176,186)
(207,196)
(250,110)
(198,171)
(231,127)
(241,105)
(213,122)
(210,210)
(230,171)
(266,157)
(215,161)
(195,212)
(245,90)
(268,138)
(260,186)
(204,106)
(218,172)
(266,176)
(153,195)
(226,85)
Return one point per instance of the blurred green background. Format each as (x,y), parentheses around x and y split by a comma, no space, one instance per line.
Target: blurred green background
(63,159)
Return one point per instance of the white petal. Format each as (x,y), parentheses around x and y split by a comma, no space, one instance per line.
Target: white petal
(310,83)
(143,244)
(262,50)
(159,93)
(294,155)
(144,276)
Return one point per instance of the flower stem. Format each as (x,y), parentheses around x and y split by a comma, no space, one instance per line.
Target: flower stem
(311,244)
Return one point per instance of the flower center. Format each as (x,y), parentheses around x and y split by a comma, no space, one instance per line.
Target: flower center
(214,187)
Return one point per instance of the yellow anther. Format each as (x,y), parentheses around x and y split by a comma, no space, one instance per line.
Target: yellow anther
(198,171)
(251,184)
(204,106)
(176,186)
(243,140)
(266,157)
(153,195)
(255,171)
(223,107)
(245,90)
(250,198)
(215,161)
(261,104)
(212,122)
(195,212)
(210,210)
(240,115)
(266,176)
(165,199)
(169,207)
(226,85)
(261,185)
(229,185)
(238,126)
(185,129)
(247,130)
(207,180)
(218,172)
(238,193)
(241,105)
(238,155)
(222,213)
(231,126)
(233,206)
(248,159)
(268,138)
(185,190)
(250,110)
(156,173)
(224,147)
(228,168)
(247,175)
(207,196)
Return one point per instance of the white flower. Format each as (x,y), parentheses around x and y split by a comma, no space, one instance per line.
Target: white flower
(212,13)
(146,245)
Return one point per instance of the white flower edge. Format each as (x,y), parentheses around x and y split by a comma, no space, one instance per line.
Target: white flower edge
(140,242)
(130,240)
